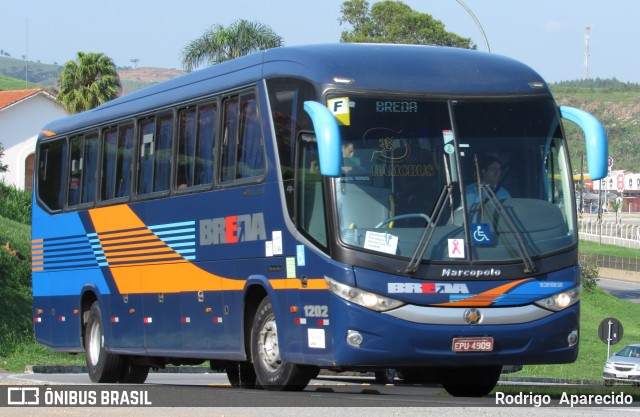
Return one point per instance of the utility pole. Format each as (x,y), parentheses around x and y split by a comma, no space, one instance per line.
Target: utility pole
(587,54)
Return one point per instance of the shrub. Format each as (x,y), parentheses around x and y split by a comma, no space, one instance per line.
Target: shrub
(15,204)
(589,273)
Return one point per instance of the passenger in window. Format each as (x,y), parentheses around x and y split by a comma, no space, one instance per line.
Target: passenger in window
(350,162)
(490,174)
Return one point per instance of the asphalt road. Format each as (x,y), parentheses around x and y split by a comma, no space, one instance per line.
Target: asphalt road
(625,290)
(197,395)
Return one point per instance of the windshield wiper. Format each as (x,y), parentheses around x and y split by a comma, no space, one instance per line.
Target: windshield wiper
(529,266)
(427,233)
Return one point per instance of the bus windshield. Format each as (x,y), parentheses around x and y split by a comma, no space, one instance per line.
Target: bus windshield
(469,180)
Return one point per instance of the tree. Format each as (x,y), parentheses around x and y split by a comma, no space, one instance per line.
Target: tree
(395,22)
(3,168)
(92,79)
(220,43)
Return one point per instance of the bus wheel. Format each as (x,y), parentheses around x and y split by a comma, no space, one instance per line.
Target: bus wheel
(475,381)
(385,376)
(272,372)
(102,366)
(241,375)
(133,373)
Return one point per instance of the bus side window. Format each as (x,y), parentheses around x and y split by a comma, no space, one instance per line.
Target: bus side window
(242,148)
(155,144)
(250,154)
(311,212)
(91,152)
(52,173)
(203,173)
(196,133)
(125,159)
(75,171)
(186,148)
(146,132)
(116,162)
(109,156)
(229,134)
(286,99)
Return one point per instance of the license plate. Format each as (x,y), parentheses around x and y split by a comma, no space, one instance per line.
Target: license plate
(472,344)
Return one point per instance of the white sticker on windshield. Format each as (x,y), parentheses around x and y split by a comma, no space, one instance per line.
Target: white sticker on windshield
(381,242)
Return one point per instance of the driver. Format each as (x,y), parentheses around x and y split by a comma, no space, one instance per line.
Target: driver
(490,172)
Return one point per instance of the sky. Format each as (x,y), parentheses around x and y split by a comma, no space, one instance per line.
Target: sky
(547,35)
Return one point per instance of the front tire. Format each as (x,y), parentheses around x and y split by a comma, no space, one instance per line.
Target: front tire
(475,381)
(385,376)
(272,373)
(102,366)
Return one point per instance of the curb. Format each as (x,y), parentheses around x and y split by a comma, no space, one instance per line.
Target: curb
(56,369)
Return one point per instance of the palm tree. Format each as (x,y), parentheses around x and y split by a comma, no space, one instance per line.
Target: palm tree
(220,43)
(87,82)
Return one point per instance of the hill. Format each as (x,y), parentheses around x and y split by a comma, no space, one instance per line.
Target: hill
(12,75)
(137,78)
(43,74)
(616,104)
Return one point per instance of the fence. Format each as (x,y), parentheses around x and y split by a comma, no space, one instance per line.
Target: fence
(613,262)
(620,234)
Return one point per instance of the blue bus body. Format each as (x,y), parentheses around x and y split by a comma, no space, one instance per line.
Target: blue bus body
(180,275)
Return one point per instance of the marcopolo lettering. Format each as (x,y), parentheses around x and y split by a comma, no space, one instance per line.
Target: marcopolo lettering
(233,229)
(448,272)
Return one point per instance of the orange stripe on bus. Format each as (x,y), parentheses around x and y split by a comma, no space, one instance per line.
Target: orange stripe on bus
(169,276)
(486,298)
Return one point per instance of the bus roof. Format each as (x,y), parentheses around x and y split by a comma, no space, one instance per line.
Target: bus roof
(383,67)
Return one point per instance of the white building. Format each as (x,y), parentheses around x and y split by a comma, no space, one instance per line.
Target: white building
(22,114)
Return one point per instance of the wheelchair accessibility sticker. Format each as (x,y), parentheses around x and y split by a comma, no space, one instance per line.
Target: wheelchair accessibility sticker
(481,234)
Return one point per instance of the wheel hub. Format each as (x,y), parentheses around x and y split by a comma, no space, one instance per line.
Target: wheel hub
(268,345)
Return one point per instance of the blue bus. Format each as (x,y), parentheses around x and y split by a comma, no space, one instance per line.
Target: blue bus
(340,207)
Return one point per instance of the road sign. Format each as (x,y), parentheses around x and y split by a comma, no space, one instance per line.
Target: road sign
(610,162)
(610,332)
(620,182)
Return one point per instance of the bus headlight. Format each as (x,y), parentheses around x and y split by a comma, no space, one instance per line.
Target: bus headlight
(561,300)
(366,299)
